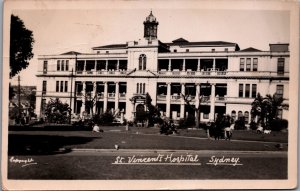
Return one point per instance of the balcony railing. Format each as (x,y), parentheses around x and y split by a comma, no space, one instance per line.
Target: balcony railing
(223,73)
(111,95)
(175,97)
(161,97)
(122,96)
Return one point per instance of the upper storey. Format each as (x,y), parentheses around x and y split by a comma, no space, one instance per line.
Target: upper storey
(180,58)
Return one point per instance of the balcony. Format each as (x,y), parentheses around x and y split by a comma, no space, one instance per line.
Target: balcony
(111,95)
(100,95)
(122,96)
(161,97)
(175,97)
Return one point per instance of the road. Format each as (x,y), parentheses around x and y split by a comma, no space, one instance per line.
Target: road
(113,164)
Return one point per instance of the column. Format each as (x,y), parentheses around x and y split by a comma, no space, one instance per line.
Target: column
(198,65)
(212,102)
(183,65)
(84,66)
(168,100)
(118,65)
(117,96)
(105,97)
(214,64)
(182,104)
(169,67)
(197,97)
(133,110)
(83,97)
(94,97)
(106,65)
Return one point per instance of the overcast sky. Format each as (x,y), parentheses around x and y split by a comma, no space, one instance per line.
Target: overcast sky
(59,31)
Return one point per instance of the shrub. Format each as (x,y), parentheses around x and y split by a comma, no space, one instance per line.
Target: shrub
(103,119)
(253,125)
(188,122)
(240,124)
(278,124)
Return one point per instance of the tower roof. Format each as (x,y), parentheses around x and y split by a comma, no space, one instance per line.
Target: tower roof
(151,18)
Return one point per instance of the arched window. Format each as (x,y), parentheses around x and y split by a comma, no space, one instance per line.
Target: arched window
(142,62)
(240,114)
(233,114)
(246,117)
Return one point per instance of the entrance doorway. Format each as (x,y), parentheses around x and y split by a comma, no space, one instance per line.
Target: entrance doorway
(140,113)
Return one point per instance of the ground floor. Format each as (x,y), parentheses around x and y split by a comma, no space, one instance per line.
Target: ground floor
(178,99)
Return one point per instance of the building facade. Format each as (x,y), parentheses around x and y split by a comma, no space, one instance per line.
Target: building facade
(216,76)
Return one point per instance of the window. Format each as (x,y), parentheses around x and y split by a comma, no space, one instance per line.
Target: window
(279,90)
(246,117)
(240,114)
(254,90)
(247,94)
(279,113)
(213,50)
(248,64)
(255,62)
(58,65)
(280,66)
(45,67)
(205,115)
(67,65)
(187,50)
(226,49)
(142,62)
(61,86)
(233,114)
(175,50)
(143,88)
(43,105)
(241,87)
(57,86)
(44,86)
(242,64)
(66,86)
(62,65)
(140,88)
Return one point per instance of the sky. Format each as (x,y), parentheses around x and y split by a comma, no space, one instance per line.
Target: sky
(63,30)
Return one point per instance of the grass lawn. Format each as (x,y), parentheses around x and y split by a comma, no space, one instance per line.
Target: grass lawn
(49,142)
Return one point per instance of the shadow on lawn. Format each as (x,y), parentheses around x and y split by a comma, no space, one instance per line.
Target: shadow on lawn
(43,144)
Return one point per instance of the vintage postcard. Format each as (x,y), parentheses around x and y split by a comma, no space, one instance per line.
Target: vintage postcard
(126,95)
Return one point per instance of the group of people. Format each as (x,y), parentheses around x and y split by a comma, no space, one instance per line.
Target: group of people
(221,128)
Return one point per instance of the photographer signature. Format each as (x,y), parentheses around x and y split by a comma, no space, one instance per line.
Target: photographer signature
(24,162)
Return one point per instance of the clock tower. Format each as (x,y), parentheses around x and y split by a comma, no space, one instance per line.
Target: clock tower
(150,27)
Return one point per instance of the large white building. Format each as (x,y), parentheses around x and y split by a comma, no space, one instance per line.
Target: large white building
(223,78)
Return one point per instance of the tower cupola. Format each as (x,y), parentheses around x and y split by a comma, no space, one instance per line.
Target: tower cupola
(150,27)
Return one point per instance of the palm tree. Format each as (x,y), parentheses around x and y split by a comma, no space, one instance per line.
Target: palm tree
(274,103)
(257,107)
(266,108)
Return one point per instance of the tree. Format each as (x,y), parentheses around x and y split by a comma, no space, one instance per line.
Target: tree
(153,114)
(57,112)
(266,108)
(196,108)
(21,41)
